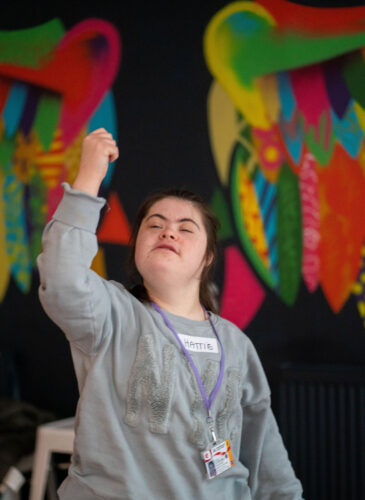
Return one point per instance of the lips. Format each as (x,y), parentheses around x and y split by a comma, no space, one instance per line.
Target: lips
(166,247)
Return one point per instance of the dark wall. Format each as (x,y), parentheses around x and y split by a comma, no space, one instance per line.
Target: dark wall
(160,95)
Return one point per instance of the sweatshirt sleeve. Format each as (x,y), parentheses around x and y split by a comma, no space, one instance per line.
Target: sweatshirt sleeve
(73,295)
(271,476)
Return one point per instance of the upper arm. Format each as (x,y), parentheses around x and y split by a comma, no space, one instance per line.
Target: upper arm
(72,295)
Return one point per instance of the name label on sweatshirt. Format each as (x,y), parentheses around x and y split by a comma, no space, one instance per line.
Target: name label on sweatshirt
(199,344)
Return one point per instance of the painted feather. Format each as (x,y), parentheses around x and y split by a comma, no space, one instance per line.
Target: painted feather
(309,196)
(342,228)
(247,215)
(289,235)
(16,234)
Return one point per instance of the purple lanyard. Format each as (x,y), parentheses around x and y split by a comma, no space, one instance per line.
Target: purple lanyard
(207,401)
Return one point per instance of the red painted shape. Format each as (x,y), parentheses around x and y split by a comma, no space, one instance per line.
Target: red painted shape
(4,91)
(316,20)
(242,293)
(115,226)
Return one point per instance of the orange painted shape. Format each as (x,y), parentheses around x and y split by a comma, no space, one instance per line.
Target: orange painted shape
(342,228)
(115,226)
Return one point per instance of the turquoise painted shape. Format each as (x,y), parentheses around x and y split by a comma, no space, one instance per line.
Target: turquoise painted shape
(105,117)
(348,131)
(14,107)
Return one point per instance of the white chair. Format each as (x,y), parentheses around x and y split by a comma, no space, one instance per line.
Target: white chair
(53,437)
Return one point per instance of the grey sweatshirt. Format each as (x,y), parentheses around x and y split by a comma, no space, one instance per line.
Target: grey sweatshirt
(140,420)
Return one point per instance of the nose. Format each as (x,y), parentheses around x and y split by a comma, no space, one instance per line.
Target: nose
(168,233)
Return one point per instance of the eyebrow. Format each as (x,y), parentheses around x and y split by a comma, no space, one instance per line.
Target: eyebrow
(184,219)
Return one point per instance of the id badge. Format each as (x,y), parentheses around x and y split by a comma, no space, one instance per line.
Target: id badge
(218,459)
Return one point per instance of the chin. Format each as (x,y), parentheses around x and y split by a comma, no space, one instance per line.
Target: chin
(161,275)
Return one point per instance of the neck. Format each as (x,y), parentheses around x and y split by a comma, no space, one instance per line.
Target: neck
(178,301)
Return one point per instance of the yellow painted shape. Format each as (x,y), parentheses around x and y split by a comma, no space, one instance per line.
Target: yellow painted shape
(360,113)
(223,129)
(249,100)
(361,157)
(361,307)
(50,158)
(357,288)
(73,156)
(24,156)
(268,86)
(251,215)
(98,264)
(4,260)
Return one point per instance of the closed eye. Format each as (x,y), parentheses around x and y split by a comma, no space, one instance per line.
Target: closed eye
(186,230)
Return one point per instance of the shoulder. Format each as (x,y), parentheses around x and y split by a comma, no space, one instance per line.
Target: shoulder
(230,331)
(122,296)
(238,343)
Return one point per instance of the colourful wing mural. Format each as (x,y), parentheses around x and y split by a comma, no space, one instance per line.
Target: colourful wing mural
(54,89)
(286,115)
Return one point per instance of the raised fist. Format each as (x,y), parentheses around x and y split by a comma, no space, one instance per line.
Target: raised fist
(98,149)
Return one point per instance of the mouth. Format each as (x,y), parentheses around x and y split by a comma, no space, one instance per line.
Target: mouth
(166,247)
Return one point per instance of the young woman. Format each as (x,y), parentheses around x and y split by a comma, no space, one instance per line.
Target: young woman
(174,403)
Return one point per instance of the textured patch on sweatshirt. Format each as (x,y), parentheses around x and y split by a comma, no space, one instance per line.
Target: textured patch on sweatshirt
(147,383)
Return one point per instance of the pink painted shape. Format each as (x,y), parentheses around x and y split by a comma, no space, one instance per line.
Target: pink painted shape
(308,182)
(310,93)
(54,196)
(242,293)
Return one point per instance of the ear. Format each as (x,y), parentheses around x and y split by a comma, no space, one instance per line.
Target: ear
(209,259)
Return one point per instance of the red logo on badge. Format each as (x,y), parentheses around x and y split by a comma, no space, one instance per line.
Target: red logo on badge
(207,455)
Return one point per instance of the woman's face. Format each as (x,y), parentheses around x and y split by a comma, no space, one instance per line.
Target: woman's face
(171,243)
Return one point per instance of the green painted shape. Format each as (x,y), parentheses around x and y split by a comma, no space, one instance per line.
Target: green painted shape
(37,208)
(268,52)
(220,208)
(354,75)
(29,47)
(289,232)
(7,146)
(321,147)
(237,158)
(47,117)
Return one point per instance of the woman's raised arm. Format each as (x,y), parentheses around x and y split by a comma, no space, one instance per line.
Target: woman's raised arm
(72,295)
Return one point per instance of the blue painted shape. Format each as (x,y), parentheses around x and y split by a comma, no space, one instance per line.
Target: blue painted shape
(348,130)
(105,117)
(14,107)
(266,194)
(293,137)
(245,24)
(286,95)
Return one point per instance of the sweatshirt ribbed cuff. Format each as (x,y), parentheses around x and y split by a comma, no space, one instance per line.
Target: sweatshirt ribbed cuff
(79,209)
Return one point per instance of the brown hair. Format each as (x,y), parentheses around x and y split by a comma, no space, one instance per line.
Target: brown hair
(211,225)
